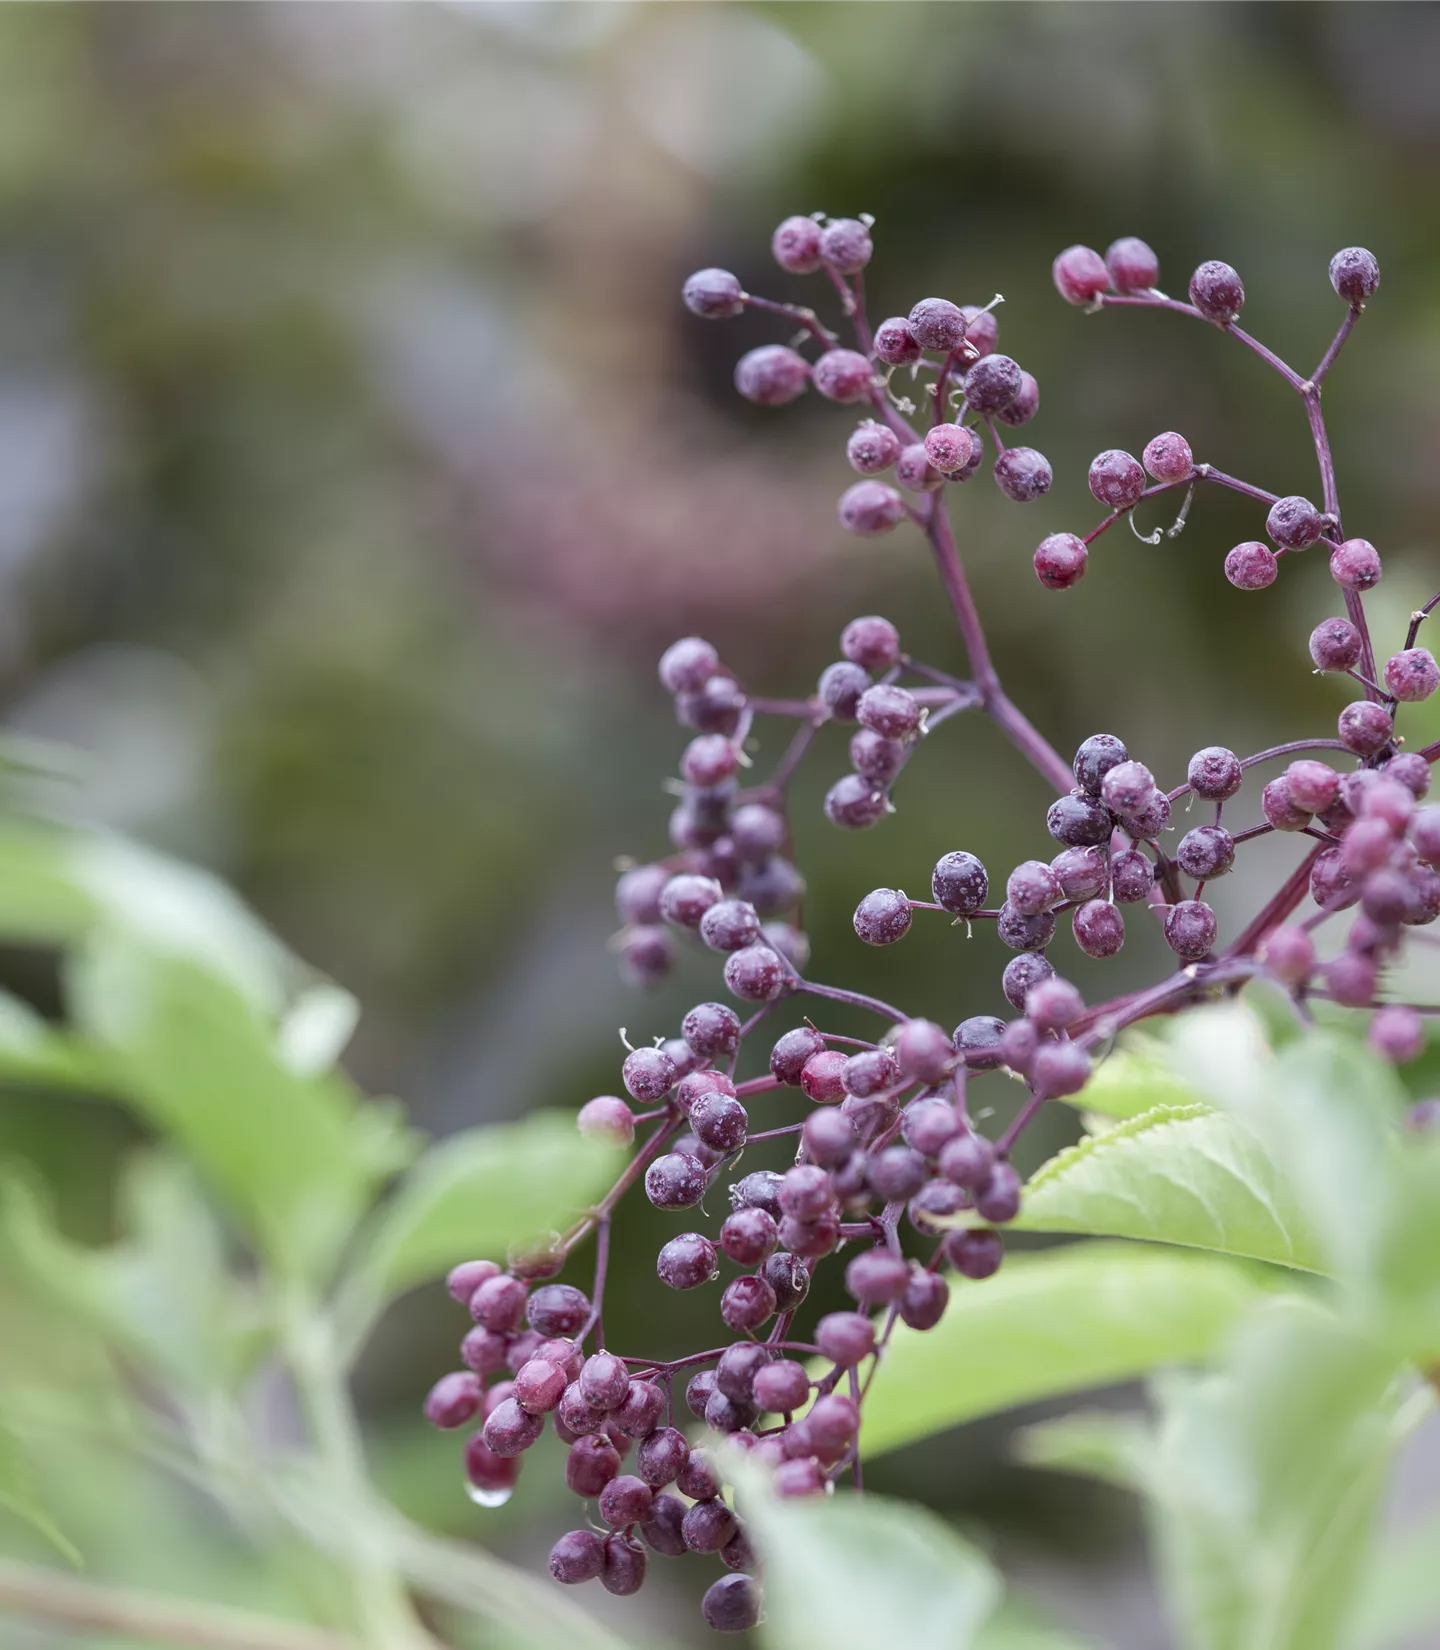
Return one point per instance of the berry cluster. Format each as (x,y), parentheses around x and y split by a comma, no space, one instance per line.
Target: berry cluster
(889,1172)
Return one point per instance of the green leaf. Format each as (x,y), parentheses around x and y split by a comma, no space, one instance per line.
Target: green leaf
(1090,1443)
(17,1494)
(1013,1627)
(296,1156)
(162,1294)
(1134,1080)
(1266,1480)
(1059,1321)
(1187,1176)
(1399,1597)
(853,1572)
(471,1196)
(32,1051)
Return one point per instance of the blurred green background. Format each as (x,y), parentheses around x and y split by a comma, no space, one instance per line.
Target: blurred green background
(357,460)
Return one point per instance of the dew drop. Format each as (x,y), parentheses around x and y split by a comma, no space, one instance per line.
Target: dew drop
(488,1498)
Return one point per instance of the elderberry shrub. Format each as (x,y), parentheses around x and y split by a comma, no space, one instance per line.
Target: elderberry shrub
(886,1179)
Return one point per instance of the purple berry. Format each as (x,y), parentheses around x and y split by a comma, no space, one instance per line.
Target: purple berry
(714,294)
(1412,675)
(772,375)
(558,1309)
(967,1160)
(1206,852)
(1355,274)
(1190,929)
(499,1304)
(992,383)
(1168,457)
(686,1261)
(592,1462)
(975,1253)
(720,1123)
(926,1296)
(649,1073)
(924,1052)
(608,1119)
(950,447)
(1099,928)
(890,711)
(870,508)
(1079,822)
(1397,1034)
(869,1073)
(454,1399)
(999,1199)
(757,974)
(685,899)
(915,472)
(1080,275)
(1032,887)
(1355,565)
(1081,872)
(796,245)
(1053,1004)
(1217,292)
(960,883)
(747,1303)
(625,1500)
(576,1557)
(1215,774)
(1021,933)
(872,448)
(977,1040)
(1289,954)
(1116,479)
(731,1605)
(509,1430)
(845,245)
(897,1173)
(623,1571)
(711,1029)
(1312,785)
(1060,561)
(463,1280)
(1132,265)
(1294,523)
(487,1472)
(1023,475)
(843,375)
(877,1278)
(896,344)
(661,1531)
(1365,728)
(1131,877)
(1022,975)
(675,1181)
(1251,566)
(1025,405)
(845,1338)
(937,323)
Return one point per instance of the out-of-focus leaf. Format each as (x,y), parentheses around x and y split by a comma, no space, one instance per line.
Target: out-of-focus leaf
(18,1494)
(853,1572)
(1399,1597)
(472,1195)
(1265,1480)
(1013,1627)
(33,1051)
(1091,1443)
(317,1026)
(1187,1176)
(1134,1080)
(1061,1321)
(162,1294)
(297,1157)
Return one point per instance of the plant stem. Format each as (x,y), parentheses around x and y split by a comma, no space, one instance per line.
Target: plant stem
(46,1595)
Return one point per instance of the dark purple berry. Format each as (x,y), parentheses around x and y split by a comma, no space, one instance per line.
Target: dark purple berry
(720,1123)
(1127,789)
(967,1160)
(1078,821)
(1217,292)
(1081,872)
(1147,825)
(1355,274)
(977,1040)
(915,472)
(649,1073)
(1207,851)
(975,1253)
(1294,523)
(592,1462)
(1095,758)
(711,1029)
(875,758)
(1022,933)
(937,323)
(1053,1004)
(923,1051)
(639,1414)
(483,1351)
(623,1572)
(840,688)
(661,1531)
(882,917)
(1131,877)
(1022,974)
(1032,887)
(625,1500)
(748,1236)
(936,1200)
(998,1200)
(789,1277)
(675,1181)
(1023,475)
(772,375)
(756,974)
(1190,929)
(686,1261)
(1025,405)
(1335,645)
(928,1123)
(1251,566)
(854,803)
(661,1456)
(685,900)
(731,1605)
(992,383)
(577,1556)
(781,1387)
(926,1296)
(1116,479)
(1215,774)
(707,1526)
(488,1474)
(960,883)
(873,448)
(1365,727)
(869,1073)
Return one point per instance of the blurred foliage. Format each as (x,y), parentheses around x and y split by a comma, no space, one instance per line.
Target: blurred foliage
(358,460)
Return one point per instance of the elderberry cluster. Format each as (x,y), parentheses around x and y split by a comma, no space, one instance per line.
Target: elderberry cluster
(889,1174)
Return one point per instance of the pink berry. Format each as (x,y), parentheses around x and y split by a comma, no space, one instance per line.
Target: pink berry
(846,246)
(796,245)
(896,344)
(872,448)
(772,375)
(843,375)
(1355,565)
(1080,274)
(870,508)
(1060,561)
(1251,566)
(1412,675)
(949,447)
(1168,457)
(1133,266)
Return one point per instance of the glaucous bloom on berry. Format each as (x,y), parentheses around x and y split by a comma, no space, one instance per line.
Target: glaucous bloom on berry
(1023,475)
(1355,274)
(796,245)
(1251,566)
(1168,457)
(714,294)
(772,375)
(1080,275)
(1060,561)
(895,343)
(1116,479)
(1412,675)
(1294,523)
(1217,292)
(937,323)
(1025,405)
(992,383)
(949,447)
(843,375)
(845,245)
(1133,266)
(870,508)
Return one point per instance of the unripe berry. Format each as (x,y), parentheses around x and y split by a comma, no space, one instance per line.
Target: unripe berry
(1168,457)
(992,383)
(772,375)
(949,447)
(937,323)
(1412,675)
(843,375)
(1251,566)
(1023,475)
(1397,1034)
(1133,266)
(915,472)
(1294,523)
(1080,274)
(1365,727)
(846,246)
(1355,565)
(872,448)
(714,294)
(1217,292)
(1190,929)
(1060,561)
(1355,274)
(870,508)
(1025,405)
(1099,928)
(896,344)
(1116,479)
(796,245)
